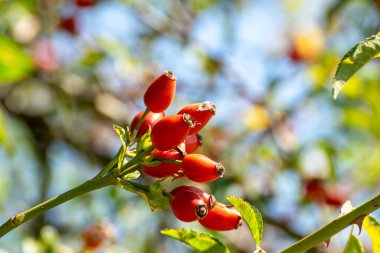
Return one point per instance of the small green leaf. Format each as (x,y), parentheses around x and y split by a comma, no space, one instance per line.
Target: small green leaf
(372,227)
(199,241)
(15,65)
(133,175)
(144,142)
(251,215)
(353,245)
(354,59)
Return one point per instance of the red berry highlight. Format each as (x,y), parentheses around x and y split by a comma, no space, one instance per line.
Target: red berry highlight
(188,206)
(171,131)
(160,93)
(165,169)
(200,168)
(149,121)
(201,113)
(222,218)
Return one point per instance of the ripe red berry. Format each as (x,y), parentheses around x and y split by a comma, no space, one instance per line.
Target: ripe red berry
(207,198)
(85,3)
(171,131)
(165,169)
(69,25)
(201,113)
(200,168)
(149,121)
(188,206)
(160,93)
(192,143)
(222,218)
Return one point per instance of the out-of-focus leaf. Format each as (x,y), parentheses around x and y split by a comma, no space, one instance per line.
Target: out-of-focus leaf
(354,59)
(91,58)
(251,215)
(199,241)
(372,227)
(15,65)
(257,118)
(353,245)
(2,129)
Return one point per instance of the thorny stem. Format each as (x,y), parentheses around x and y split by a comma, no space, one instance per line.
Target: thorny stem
(86,187)
(326,232)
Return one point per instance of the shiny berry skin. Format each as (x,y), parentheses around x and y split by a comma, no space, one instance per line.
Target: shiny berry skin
(149,121)
(171,131)
(200,168)
(222,218)
(85,3)
(207,198)
(188,206)
(165,169)
(192,143)
(160,93)
(201,113)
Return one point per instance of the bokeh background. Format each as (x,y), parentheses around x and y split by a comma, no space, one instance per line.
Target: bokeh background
(71,69)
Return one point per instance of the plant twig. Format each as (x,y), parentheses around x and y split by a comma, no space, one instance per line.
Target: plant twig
(337,225)
(86,187)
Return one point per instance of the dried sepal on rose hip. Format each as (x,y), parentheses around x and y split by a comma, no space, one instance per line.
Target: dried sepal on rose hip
(164,169)
(207,198)
(201,113)
(222,218)
(188,205)
(149,121)
(160,92)
(192,143)
(200,168)
(171,131)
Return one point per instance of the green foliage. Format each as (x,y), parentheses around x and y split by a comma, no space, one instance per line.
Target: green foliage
(372,226)
(15,65)
(354,59)
(353,245)
(199,241)
(251,215)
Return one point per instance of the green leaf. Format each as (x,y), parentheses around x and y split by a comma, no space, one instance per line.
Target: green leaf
(251,215)
(353,245)
(133,175)
(15,65)
(354,59)
(199,241)
(144,142)
(372,226)
(153,194)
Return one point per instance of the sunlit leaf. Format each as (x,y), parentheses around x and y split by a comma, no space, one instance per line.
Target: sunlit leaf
(251,215)
(354,59)
(15,65)
(353,245)
(199,241)
(372,227)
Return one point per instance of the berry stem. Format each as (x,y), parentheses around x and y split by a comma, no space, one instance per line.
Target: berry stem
(109,165)
(136,130)
(168,160)
(88,186)
(326,232)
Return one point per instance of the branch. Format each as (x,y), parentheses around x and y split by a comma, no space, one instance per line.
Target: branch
(334,227)
(86,187)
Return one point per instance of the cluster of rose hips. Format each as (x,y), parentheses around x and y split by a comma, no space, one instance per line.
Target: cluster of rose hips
(175,139)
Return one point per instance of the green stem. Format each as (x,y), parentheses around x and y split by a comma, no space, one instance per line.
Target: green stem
(169,160)
(86,187)
(110,165)
(337,225)
(135,131)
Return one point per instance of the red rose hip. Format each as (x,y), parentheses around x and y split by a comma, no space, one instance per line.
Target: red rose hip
(192,143)
(165,169)
(201,113)
(149,121)
(188,206)
(160,93)
(171,131)
(222,218)
(200,168)
(207,198)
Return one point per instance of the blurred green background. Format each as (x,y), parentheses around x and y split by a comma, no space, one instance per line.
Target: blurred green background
(68,72)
